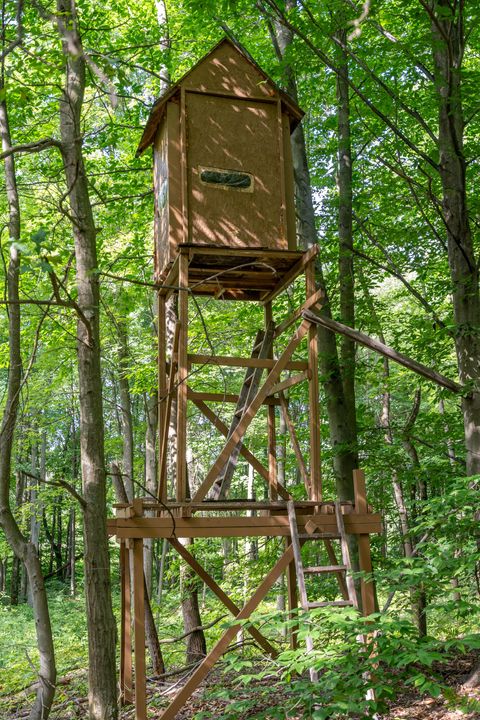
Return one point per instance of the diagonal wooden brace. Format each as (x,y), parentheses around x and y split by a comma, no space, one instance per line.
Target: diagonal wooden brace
(249,457)
(229,604)
(251,411)
(217,651)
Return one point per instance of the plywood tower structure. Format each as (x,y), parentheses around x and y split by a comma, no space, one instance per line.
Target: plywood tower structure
(225,228)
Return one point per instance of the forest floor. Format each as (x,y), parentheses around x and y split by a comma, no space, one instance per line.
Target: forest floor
(210,700)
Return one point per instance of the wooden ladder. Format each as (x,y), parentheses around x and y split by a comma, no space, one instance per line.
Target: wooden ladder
(345,569)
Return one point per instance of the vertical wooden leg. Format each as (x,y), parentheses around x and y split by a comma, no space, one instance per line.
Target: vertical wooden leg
(313,396)
(162,392)
(272,441)
(125,627)
(139,623)
(181,490)
(292,596)
(364,557)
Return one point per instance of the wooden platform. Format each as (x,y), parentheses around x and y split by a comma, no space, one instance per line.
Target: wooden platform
(236,274)
(211,520)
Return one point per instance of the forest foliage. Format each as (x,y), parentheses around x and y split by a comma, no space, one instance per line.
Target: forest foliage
(411,434)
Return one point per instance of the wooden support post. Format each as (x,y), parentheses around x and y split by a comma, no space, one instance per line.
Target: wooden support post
(215,653)
(139,623)
(222,596)
(162,392)
(272,440)
(126,695)
(162,472)
(313,395)
(181,480)
(364,558)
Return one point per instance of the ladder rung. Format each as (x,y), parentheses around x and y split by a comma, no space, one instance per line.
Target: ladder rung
(318,536)
(324,569)
(332,603)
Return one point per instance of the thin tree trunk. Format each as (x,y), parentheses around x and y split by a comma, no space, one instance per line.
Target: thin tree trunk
(196,644)
(126,410)
(101,623)
(22,549)
(151,476)
(419,596)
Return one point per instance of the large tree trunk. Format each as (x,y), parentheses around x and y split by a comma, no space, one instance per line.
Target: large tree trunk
(448,48)
(101,622)
(22,549)
(448,38)
(341,421)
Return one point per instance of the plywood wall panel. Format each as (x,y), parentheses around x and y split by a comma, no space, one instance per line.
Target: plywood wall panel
(234,135)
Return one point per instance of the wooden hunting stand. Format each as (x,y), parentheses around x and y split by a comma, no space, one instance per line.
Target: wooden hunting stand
(225,228)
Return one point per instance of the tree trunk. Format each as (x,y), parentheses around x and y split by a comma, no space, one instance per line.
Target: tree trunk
(100,619)
(151,476)
(448,41)
(126,411)
(345,232)
(448,48)
(341,423)
(22,549)
(196,645)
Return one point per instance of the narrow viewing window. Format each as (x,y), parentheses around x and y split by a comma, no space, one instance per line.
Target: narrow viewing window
(227,179)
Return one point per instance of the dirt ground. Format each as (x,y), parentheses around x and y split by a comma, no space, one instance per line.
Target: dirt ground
(409,705)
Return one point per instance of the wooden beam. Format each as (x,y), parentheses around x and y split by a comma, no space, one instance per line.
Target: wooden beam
(290,382)
(222,596)
(223,398)
(227,360)
(182,372)
(162,390)
(258,253)
(367,587)
(171,280)
(167,401)
(139,624)
(249,457)
(252,410)
(314,299)
(290,276)
(126,694)
(386,351)
(295,444)
(217,651)
(237,526)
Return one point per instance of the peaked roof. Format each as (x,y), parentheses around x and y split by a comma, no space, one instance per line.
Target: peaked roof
(157,110)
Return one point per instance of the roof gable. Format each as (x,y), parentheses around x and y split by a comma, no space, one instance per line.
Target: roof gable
(227,68)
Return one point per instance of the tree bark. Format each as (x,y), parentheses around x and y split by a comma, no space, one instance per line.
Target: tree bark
(341,423)
(101,623)
(448,49)
(22,549)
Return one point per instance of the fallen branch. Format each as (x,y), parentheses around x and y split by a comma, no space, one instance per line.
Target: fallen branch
(190,632)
